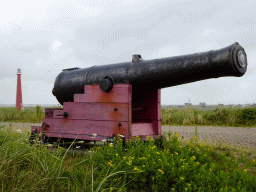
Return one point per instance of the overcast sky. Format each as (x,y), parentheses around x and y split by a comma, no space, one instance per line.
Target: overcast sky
(44,37)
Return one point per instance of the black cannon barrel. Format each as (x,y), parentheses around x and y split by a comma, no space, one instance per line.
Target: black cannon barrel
(157,73)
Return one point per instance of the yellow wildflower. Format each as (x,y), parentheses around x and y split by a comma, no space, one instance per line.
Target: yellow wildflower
(143,165)
(245,170)
(189,184)
(181,178)
(176,153)
(157,153)
(110,163)
(161,171)
(243,155)
(253,160)
(176,134)
(193,157)
(135,168)
(129,163)
(116,154)
(194,137)
(143,157)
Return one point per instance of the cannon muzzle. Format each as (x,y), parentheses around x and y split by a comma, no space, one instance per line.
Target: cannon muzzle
(153,74)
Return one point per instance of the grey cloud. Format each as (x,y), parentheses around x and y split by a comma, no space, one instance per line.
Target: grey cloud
(119,29)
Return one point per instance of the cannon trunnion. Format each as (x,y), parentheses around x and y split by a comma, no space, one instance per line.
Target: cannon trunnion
(104,101)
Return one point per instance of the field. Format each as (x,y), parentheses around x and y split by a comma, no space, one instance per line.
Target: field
(179,165)
(29,115)
(232,117)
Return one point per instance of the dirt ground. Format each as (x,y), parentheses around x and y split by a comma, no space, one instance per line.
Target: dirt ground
(239,136)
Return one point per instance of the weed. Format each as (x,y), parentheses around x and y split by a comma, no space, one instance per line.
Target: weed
(234,117)
(180,166)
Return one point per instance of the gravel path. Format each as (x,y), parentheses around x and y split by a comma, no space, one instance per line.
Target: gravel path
(240,136)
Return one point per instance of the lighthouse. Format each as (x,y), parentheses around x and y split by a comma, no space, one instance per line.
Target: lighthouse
(19,93)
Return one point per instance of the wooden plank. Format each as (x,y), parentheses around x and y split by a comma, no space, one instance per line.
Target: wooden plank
(77,137)
(71,128)
(57,113)
(130,119)
(157,127)
(159,96)
(97,111)
(142,129)
(120,93)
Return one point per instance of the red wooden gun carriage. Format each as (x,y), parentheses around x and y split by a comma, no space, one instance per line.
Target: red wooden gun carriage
(101,102)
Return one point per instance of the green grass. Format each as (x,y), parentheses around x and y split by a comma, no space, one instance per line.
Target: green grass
(178,166)
(234,117)
(29,115)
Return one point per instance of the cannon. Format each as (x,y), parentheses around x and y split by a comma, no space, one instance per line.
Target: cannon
(101,102)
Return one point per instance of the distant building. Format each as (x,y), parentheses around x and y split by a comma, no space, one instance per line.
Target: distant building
(202,104)
(188,104)
(210,106)
(220,105)
(229,105)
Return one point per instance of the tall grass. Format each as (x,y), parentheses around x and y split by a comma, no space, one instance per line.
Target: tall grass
(237,117)
(177,166)
(244,117)
(28,115)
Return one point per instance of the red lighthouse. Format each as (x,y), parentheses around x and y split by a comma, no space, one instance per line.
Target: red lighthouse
(19,93)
